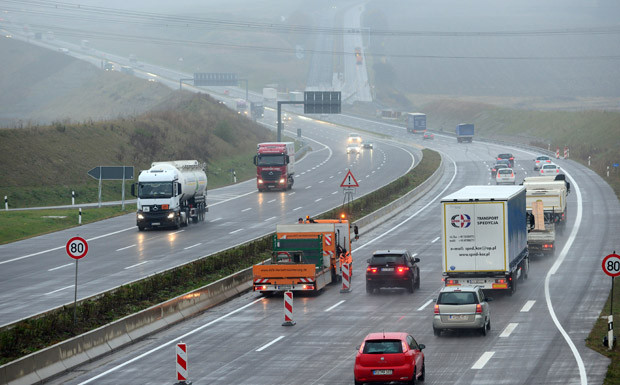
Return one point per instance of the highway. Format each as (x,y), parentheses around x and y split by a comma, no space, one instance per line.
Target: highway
(537,335)
(37,275)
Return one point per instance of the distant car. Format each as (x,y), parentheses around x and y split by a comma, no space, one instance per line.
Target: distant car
(367,145)
(392,268)
(505,176)
(508,157)
(353,148)
(497,167)
(286,117)
(550,169)
(540,161)
(389,357)
(428,135)
(462,307)
(354,138)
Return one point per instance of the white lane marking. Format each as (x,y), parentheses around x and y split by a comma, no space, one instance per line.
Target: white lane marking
(291,193)
(214,220)
(137,264)
(192,246)
(339,172)
(486,356)
(126,247)
(248,209)
(334,306)
(269,344)
(321,181)
(60,267)
(307,187)
(425,304)
(435,240)
(509,329)
(273,200)
(331,177)
(316,200)
(63,246)
(440,194)
(176,232)
(235,231)
(335,192)
(268,219)
(56,291)
(166,344)
(297,208)
(528,305)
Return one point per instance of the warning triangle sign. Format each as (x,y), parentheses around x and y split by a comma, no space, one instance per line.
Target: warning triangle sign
(349,180)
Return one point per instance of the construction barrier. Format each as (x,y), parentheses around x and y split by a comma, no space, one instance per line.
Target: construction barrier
(288,309)
(346,278)
(182,363)
(565,152)
(557,153)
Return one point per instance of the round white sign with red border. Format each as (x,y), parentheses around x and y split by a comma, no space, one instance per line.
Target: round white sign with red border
(611,265)
(77,247)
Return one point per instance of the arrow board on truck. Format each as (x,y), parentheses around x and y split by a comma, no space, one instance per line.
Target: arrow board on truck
(349,180)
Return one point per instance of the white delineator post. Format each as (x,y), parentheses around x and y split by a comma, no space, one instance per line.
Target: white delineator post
(72,198)
(610,332)
(288,309)
(80,217)
(181,364)
(6,203)
(346,278)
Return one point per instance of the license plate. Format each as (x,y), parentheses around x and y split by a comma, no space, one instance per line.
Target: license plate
(383,372)
(475,281)
(285,287)
(457,317)
(387,269)
(155,224)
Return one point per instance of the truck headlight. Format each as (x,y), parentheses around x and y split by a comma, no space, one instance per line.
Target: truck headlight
(282,181)
(171,215)
(140,216)
(260,181)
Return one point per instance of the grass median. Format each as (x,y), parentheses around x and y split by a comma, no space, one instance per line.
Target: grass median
(34,334)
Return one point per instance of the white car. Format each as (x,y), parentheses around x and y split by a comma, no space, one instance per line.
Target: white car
(353,148)
(355,138)
(505,175)
(550,169)
(540,161)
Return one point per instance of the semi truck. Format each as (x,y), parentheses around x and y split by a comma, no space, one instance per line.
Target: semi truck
(306,256)
(359,59)
(552,192)
(170,194)
(275,165)
(270,94)
(540,237)
(465,132)
(484,232)
(257,110)
(416,122)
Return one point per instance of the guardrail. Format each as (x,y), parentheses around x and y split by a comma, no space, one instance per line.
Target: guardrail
(46,363)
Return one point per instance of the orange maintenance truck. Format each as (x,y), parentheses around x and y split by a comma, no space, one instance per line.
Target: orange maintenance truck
(306,256)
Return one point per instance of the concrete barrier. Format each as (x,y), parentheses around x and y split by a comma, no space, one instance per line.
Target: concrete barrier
(51,361)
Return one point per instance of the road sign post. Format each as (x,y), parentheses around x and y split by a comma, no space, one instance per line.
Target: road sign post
(76,248)
(112,173)
(349,183)
(611,267)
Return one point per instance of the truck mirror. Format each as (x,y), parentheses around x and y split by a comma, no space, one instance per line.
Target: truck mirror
(287,159)
(133,189)
(255,159)
(179,189)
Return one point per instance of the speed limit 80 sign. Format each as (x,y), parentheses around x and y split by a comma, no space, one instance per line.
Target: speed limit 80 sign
(77,247)
(611,265)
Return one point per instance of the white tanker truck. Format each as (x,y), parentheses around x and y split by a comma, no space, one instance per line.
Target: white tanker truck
(170,193)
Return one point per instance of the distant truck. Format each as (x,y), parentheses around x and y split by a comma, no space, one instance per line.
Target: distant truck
(275,165)
(306,256)
(485,237)
(242,106)
(464,133)
(170,194)
(416,122)
(257,110)
(540,237)
(359,59)
(108,66)
(552,193)
(270,94)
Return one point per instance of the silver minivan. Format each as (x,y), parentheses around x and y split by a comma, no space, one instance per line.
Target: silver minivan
(462,307)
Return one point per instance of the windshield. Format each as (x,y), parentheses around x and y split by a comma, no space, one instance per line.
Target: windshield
(155,190)
(270,160)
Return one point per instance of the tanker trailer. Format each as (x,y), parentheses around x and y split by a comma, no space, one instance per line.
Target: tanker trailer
(170,194)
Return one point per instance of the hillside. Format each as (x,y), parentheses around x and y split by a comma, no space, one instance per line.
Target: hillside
(47,86)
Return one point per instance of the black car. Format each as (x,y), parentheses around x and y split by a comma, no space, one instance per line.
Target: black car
(497,167)
(509,157)
(392,268)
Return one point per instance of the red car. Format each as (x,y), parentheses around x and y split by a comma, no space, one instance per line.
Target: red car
(389,357)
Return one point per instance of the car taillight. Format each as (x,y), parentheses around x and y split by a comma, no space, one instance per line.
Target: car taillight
(371,269)
(405,346)
(362,347)
(512,174)
(479,308)
(557,170)
(402,269)
(436,309)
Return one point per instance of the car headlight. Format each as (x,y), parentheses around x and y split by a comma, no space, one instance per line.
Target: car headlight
(140,216)
(171,215)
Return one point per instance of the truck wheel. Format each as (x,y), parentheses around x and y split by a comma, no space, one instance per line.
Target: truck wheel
(513,285)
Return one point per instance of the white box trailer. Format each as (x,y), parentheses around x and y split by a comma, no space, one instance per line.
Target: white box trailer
(485,237)
(553,195)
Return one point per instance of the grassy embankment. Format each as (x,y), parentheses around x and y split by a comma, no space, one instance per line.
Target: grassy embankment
(189,126)
(35,334)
